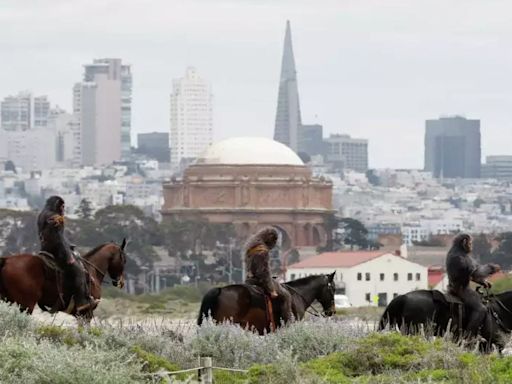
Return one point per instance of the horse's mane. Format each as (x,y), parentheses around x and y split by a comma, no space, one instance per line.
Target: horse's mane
(303,280)
(94,250)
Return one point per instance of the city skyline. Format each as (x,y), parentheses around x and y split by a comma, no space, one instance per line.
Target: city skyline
(377,77)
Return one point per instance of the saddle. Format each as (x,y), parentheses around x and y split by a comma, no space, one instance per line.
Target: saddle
(65,301)
(447,297)
(259,293)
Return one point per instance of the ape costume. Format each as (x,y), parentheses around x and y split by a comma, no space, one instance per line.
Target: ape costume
(258,268)
(462,269)
(50,225)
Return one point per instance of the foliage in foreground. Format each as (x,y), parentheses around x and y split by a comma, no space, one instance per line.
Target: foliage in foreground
(312,352)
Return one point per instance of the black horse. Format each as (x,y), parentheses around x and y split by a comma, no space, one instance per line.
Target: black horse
(247,305)
(437,313)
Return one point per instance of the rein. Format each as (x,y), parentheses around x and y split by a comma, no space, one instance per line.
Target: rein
(307,308)
(490,298)
(103,274)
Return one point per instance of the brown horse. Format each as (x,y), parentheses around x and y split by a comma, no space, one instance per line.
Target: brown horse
(27,280)
(246,304)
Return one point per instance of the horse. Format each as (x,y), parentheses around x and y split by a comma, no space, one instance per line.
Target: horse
(28,279)
(439,314)
(247,304)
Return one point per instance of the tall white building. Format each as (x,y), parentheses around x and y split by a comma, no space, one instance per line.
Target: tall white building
(191,117)
(23,111)
(102,107)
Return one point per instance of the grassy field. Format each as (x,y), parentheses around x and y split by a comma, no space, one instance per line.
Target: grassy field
(311,352)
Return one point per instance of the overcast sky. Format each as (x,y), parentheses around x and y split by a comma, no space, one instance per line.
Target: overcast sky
(372,69)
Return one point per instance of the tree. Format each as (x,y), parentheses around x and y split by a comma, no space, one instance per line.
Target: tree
(355,233)
(346,231)
(114,223)
(502,253)
(84,209)
(482,248)
(18,231)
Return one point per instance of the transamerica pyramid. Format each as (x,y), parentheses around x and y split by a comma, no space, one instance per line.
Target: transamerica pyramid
(288,119)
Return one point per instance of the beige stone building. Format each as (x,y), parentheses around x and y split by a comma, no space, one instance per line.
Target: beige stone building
(254,182)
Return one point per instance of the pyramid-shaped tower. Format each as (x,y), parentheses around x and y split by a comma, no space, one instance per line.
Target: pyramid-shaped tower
(288,119)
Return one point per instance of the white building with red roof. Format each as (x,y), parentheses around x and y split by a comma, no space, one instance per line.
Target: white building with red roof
(365,277)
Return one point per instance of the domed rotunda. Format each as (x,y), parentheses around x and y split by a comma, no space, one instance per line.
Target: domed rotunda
(253,182)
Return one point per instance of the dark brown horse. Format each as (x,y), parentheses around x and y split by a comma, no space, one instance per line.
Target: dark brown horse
(246,304)
(27,280)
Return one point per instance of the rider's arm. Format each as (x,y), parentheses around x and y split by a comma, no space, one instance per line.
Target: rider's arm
(481,272)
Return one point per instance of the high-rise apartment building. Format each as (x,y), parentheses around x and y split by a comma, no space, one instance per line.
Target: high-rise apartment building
(452,147)
(191,117)
(288,120)
(345,152)
(23,111)
(102,107)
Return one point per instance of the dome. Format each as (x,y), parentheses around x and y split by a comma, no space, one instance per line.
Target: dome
(249,151)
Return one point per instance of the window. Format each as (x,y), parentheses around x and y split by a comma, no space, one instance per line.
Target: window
(395,295)
(395,276)
(418,277)
(292,276)
(409,277)
(367,297)
(359,276)
(381,277)
(367,277)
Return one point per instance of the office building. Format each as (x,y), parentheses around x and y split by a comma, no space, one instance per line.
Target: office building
(452,147)
(154,145)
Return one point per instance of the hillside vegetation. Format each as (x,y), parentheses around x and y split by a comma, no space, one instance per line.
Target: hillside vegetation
(320,351)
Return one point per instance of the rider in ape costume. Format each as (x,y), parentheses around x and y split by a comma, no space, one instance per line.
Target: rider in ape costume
(462,269)
(257,265)
(50,225)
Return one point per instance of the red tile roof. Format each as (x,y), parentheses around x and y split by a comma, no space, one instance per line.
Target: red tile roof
(337,259)
(435,277)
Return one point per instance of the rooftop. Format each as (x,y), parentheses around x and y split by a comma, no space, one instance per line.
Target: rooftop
(337,259)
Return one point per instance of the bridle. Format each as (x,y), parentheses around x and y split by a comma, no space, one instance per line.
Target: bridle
(114,282)
(308,309)
(490,298)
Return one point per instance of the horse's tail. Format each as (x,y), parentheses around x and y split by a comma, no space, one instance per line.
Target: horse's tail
(393,311)
(208,305)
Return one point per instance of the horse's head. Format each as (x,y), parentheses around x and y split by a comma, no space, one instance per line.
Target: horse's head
(116,264)
(326,294)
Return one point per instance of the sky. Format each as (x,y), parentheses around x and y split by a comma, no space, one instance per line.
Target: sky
(370,69)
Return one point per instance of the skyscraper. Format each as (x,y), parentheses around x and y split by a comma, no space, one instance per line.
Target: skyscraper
(452,147)
(191,116)
(288,118)
(102,106)
(23,112)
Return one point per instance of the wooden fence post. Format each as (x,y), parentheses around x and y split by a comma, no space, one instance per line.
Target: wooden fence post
(206,373)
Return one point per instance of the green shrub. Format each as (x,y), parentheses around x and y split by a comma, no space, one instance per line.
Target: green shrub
(13,321)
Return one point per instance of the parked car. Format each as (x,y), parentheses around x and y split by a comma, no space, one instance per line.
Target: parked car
(341,301)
